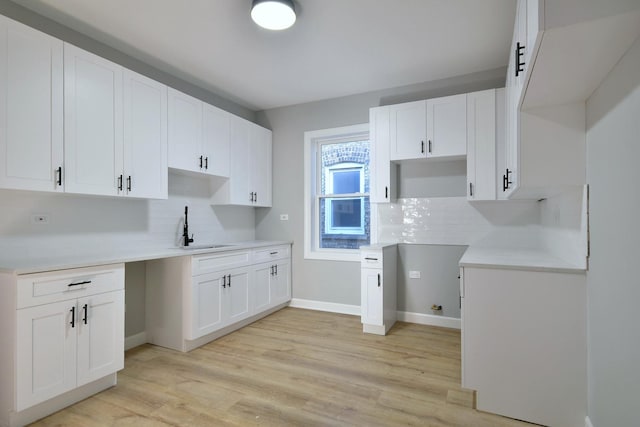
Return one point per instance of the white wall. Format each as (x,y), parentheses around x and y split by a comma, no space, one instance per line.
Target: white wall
(613,150)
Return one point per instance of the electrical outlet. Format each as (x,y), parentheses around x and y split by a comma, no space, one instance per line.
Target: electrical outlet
(414,274)
(40,219)
(284,217)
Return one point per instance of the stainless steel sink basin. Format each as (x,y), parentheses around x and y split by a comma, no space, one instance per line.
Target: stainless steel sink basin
(197,247)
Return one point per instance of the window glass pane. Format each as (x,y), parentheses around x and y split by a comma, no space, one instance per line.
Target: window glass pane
(346,213)
(346,181)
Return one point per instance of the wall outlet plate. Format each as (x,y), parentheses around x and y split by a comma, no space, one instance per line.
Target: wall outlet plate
(413,274)
(284,217)
(40,218)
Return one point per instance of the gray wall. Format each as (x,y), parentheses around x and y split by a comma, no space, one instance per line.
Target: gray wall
(32,19)
(335,281)
(613,150)
(438,283)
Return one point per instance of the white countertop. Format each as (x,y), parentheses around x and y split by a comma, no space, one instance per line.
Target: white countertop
(517,259)
(9,263)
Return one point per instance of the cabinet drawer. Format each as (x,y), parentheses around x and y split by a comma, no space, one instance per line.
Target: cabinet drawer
(371,259)
(43,288)
(207,263)
(270,253)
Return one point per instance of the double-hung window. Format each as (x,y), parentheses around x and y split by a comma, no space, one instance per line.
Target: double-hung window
(337,211)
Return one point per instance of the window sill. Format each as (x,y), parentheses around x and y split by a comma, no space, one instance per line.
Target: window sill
(349,255)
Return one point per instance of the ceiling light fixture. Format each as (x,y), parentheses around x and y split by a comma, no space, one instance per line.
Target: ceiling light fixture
(273,14)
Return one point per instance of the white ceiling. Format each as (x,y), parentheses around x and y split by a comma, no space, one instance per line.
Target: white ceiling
(336,47)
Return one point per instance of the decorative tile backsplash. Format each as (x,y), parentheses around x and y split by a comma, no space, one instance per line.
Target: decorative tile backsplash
(455,221)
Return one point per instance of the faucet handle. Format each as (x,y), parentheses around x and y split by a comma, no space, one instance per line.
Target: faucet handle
(191,239)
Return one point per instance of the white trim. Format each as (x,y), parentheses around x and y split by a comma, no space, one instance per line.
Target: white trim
(587,422)
(331,307)
(310,138)
(429,319)
(354,310)
(135,340)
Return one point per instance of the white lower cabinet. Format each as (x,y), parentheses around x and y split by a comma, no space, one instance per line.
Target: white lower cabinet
(195,299)
(378,288)
(524,343)
(68,333)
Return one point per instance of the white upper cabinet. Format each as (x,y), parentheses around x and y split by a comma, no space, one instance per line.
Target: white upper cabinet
(260,164)
(185,132)
(93,142)
(435,128)
(250,169)
(481,145)
(215,140)
(145,137)
(198,135)
(31,108)
(382,178)
(447,126)
(408,130)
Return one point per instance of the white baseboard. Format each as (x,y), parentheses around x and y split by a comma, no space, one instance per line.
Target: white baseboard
(135,340)
(331,307)
(354,310)
(587,422)
(429,319)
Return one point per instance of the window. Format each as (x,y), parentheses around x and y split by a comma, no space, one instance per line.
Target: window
(337,211)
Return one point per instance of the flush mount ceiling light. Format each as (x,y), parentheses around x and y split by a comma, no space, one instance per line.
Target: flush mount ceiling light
(273,14)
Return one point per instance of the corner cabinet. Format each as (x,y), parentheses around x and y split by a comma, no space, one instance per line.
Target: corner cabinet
(250,167)
(378,288)
(485,136)
(193,300)
(68,330)
(524,353)
(31,108)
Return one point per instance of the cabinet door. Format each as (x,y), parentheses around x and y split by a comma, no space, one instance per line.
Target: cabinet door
(206,304)
(481,145)
(261,290)
(46,352)
(237,295)
(185,132)
(382,174)
(408,130)
(145,137)
(260,165)
(215,140)
(31,105)
(447,126)
(100,322)
(281,282)
(93,123)
(239,192)
(372,293)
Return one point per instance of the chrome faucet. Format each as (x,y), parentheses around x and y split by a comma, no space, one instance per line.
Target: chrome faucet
(185,232)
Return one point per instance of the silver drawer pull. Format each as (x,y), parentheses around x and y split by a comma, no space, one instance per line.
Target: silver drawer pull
(85,282)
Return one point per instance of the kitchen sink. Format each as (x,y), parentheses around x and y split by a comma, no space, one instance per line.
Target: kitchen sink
(197,247)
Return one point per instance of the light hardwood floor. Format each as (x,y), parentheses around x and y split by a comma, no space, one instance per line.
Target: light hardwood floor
(295,367)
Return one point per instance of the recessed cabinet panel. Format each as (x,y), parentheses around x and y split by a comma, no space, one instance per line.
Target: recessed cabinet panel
(185,131)
(215,140)
(145,137)
(383,172)
(93,123)
(237,295)
(31,108)
(206,297)
(408,130)
(481,145)
(46,349)
(372,298)
(447,126)
(100,320)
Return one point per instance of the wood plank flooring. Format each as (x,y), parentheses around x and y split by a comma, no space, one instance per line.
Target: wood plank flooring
(293,368)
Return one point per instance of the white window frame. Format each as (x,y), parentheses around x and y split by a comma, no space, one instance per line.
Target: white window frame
(313,166)
(330,197)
